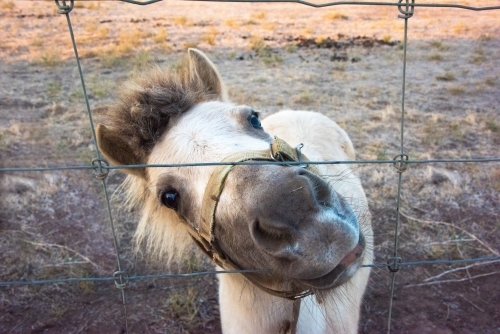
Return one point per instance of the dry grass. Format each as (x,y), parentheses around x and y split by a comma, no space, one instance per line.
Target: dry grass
(304,98)
(386,38)
(128,41)
(258,16)
(161,36)
(447,76)
(7,5)
(263,51)
(457,90)
(335,16)
(182,21)
(435,57)
(209,36)
(49,58)
(232,23)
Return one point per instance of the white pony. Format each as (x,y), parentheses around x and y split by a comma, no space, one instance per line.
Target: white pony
(304,229)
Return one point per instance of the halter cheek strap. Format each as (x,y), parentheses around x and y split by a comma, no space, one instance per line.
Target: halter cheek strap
(204,236)
(279,151)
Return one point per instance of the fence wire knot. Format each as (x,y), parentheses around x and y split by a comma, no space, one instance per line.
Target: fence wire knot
(100,168)
(394,264)
(62,8)
(401,162)
(121,279)
(409,9)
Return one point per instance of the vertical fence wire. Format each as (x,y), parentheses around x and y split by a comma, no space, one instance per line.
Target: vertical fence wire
(400,165)
(120,275)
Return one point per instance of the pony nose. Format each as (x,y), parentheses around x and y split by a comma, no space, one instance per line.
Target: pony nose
(294,196)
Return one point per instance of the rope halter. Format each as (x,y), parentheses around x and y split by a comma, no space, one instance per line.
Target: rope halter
(204,235)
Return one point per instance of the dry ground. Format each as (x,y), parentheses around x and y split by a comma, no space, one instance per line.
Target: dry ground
(272,56)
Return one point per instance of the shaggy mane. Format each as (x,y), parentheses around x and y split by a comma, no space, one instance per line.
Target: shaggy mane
(146,103)
(142,111)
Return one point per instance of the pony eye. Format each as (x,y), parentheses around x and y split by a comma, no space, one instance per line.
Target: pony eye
(171,199)
(254,121)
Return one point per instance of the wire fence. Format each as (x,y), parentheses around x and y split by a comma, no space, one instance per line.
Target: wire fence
(401,162)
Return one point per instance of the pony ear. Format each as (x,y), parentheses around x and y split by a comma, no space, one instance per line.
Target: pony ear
(203,70)
(118,151)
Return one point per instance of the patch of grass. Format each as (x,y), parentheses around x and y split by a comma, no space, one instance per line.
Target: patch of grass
(110,59)
(3,143)
(292,48)
(492,125)
(86,286)
(103,32)
(257,43)
(269,26)
(54,88)
(264,52)
(99,88)
(161,36)
(460,28)
(447,76)
(386,38)
(435,57)
(432,133)
(91,26)
(456,131)
(382,154)
(209,36)
(184,306)
(191,44)
(127,41)
(258,16)
(251,23)
(141,59)
(439,45)
(307,31)
(76,95)
(495,179)
(340,66)
(182,21)
(8,5)
(193,264)
(485,37)
(49,59)
(491,81)
(478,56)
(320,40)
(37,41)
(93,5)
(232,23)
(304,97)
(335,16)
(270,58)
(457,90)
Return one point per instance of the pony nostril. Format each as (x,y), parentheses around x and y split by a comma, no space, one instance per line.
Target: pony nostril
(272,239)
(320,189)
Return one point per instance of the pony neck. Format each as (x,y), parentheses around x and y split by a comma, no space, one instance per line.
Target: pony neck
(244,308)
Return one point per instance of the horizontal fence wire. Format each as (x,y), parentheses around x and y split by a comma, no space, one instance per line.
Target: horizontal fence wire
(310,4)
(229,272)
(288,163)
(400,162)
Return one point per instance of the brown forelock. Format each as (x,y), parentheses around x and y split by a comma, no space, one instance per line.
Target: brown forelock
(146,103)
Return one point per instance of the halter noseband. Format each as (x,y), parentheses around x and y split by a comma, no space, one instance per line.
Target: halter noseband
(204,236)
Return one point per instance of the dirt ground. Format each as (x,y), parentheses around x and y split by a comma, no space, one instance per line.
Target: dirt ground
(344,61)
